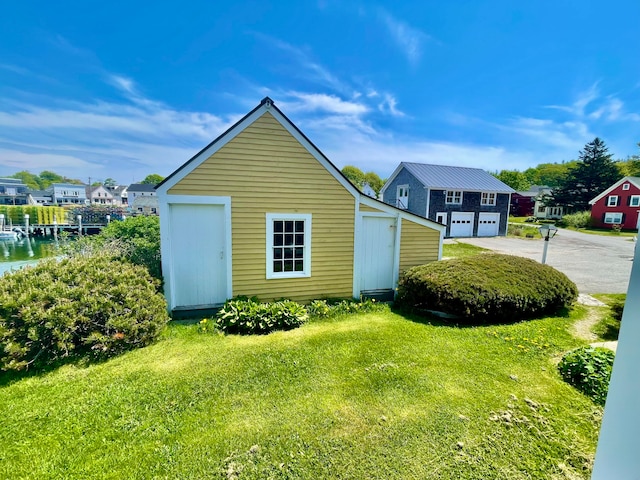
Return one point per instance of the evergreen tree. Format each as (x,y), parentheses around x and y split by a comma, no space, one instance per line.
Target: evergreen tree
(594,172)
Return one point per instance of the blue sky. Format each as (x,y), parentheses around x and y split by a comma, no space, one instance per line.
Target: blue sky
(123,89)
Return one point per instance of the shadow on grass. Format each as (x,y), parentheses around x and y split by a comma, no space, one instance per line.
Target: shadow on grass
(426,318)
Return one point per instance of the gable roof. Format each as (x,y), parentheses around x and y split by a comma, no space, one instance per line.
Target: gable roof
(534,191)
(633,180)
(141,187)
(454,178)
(267,105)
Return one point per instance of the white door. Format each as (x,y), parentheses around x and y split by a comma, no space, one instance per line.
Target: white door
(461,224)
(377,253)
(488,224)
(403,197)
(198,255)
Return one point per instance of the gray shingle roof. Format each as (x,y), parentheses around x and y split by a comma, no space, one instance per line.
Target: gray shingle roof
(141,187)
(456,178)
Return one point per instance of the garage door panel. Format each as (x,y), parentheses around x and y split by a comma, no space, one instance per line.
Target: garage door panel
(461,224)
(488,224)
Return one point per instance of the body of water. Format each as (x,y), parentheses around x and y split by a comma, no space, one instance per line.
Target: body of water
(17,253)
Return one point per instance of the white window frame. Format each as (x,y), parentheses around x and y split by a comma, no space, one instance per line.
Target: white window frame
(637,201)
(613,218)
(625,186)
(406,189)
(488,199)
(306,264)
(445,216)
(612,201)
(455,195)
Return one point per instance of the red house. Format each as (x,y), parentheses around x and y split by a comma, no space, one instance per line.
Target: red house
(618,205)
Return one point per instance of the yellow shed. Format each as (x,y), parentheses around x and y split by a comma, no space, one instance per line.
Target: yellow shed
(261,211)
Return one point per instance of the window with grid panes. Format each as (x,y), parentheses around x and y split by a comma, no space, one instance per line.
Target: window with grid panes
(288,249)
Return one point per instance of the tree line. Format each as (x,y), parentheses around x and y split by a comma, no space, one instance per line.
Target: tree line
(46,178)
(576,182)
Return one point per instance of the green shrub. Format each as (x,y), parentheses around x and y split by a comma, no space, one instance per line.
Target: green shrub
(589,370)
(249,316)
(140,237)
(617,309)
(79,306)
(576,220)
(486,288)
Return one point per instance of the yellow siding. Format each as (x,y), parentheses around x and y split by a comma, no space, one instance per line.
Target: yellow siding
(418,245)
(367,208)
(266,170)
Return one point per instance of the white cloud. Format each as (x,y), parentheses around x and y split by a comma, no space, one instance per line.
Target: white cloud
(320,102)
(19,160)
(409,39)
(388,105)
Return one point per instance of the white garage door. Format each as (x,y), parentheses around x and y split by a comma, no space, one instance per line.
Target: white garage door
(488,224)
(461,224)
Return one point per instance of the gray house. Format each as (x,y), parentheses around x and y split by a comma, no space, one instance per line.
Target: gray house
(469,201)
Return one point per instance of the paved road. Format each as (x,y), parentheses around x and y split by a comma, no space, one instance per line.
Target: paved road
(596,263)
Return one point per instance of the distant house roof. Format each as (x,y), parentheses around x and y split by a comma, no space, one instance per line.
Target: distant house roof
(118,189)
(39,193)
(534,191)
(634,180)
(67,185)
(454,178)
(141,187)
(11,181)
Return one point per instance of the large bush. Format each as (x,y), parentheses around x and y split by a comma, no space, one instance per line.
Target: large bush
(486,288)
(141,236)
(576,220)
(589,370)
(249,316)
(83,305)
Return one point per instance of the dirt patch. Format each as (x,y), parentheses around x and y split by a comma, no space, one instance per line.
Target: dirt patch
(582,328)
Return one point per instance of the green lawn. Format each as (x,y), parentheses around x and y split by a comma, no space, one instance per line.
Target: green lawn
(457,249)
(605,231)
(363,396)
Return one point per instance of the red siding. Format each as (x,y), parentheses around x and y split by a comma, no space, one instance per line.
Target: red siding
(629,213)
(521,206)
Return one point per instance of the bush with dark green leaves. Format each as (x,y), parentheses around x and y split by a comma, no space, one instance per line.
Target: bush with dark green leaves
(249,316)
(82,306)
(141,238)
(589,370)
(487,288)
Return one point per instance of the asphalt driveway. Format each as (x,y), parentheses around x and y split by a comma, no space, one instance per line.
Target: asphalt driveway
(596,263)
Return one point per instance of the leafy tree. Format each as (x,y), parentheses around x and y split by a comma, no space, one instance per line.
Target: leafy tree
(594,172)
(374,181)
(152,179)
(354,174)
(109,182)
(514,178)
(29,179)
(631,166)
(359,178)
(549,174)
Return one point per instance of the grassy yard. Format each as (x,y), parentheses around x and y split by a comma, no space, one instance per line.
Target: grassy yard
(607,232)
(457,249)
(363,396)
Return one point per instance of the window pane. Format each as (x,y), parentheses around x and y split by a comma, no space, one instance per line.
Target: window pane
(298,266)
(288,239)
(277,254)
(299,252)
(288,253)
(299,239)
(277,266)
(277,239)
(288,265)
(299,226)
(288,226)
(277,226)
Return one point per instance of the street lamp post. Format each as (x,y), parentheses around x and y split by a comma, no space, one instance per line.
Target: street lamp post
(547,232)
